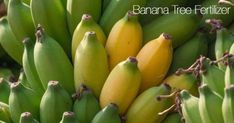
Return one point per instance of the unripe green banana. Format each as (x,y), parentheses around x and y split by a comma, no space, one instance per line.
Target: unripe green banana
(4,113)
(122,85)
(52,62)
(20,19)
(228,103)
(86,106)
(30,68)
(171,24)
(210,105)
(4,90)
(27,117)
(172,118)
(115,11)
(23,99)
(76,8)
(184,57)
(54,102)
(6,73)
(229,73)
(23,79)
(231,28)
(105,3)
(86,24)
(213,77)
(146,106)
(52,16)
(8,41)
(69,117)
(109,114)
(189,106)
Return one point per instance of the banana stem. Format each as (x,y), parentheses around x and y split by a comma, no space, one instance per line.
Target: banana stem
(167,110)
(215,24)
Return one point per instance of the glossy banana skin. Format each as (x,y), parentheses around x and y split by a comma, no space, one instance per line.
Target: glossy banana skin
(170,24)
(23,99)
(118,8)
(8,41)
(189,106)
(4,90)
(122,85)
(54,102)
(172,118)
(124,40)
(52,62)
(52,16)
(229,73)
(4,113)
(109,114)
(210,105)
(228,103)
(91,64)
(76,9)
(27,117)
(69,117)
(23,79)
(20,20)
(146,107)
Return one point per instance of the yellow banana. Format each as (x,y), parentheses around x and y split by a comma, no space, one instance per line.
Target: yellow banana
(154,61)
(125,39)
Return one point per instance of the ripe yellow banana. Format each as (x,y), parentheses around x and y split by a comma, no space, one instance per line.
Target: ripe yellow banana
(154,61)
(125,39)
(122,85)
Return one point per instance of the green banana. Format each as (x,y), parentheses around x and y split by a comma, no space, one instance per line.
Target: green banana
(109,114)
(6,73)
(69,117)
(105,3)
(224,41)
(175,25)
(115,10)
(189,106)
(20,20)
(27,117)
(229,73)
(145,108)
(8,41)
(4,90)
(23,99)
(52,16)
(213,77)
(228,103)
(86,24)
(182,59)
(86,106)
(4,113)
(210,105)
(30,68)
(231,28)
(172,118)
(76,8)
(54,102)
(52,62)
(23,79)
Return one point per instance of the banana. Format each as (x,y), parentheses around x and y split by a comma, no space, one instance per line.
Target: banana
(27,117)
(86,24)
(231,28)
(8,41)
(183,81)
(23,79)
(6,73)
(76,8)
(52,16)
(20,20)
(125,39)
(229,73)
(182,59)
(172,118)
(30,68)
(86,105)
(189,106)
(69,117)
(4,113)
(228,103)
(4,90)
(54,102)
(210,105)
(122,85)
(28,1)
(91,64)
(23,99)
(146,107)
(154,61)
(105,3)
(109,114)
(52,62)
(213,77)
(175,25)
(115,10)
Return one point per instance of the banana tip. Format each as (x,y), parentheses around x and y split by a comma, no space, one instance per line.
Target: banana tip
(167,36)
(52,83)
(86,17)
(26,114)
(132,60)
